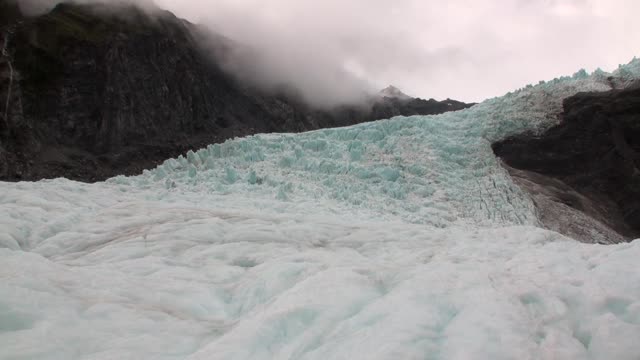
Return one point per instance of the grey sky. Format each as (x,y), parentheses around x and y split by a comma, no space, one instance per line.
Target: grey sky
(462,49)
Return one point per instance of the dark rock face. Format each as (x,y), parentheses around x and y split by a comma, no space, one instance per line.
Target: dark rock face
(390,107)
(95,92)
(587,166)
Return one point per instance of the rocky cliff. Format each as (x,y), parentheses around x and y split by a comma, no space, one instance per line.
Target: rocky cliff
(584,174)
(89,92)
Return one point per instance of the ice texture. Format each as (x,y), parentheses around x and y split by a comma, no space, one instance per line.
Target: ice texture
(396,239)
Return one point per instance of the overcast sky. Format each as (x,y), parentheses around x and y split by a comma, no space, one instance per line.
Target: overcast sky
(462,49)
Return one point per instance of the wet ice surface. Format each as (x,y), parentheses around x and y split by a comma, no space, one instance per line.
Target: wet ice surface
(398,239)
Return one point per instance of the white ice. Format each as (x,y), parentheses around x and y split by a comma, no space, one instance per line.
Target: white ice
(397,239)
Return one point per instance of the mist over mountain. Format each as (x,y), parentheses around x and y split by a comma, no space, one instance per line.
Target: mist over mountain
(333,50)
(274,65)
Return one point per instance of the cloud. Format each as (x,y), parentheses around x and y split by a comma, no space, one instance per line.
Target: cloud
(462,49)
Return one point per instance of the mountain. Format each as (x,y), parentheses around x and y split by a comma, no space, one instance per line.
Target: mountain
(394,93)
(95,91)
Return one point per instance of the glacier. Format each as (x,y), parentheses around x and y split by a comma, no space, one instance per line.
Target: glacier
(397,239)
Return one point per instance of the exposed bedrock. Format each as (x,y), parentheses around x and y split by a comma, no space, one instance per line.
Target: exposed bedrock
(584,174)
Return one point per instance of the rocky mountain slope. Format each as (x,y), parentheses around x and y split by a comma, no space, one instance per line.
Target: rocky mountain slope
(584,174)
(92,92)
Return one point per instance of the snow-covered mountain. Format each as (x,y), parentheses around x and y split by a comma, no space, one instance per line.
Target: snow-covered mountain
(396,239)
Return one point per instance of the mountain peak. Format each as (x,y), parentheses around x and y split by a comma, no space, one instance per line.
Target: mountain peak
(393,92)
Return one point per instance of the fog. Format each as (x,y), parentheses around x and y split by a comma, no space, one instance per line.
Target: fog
(334,50)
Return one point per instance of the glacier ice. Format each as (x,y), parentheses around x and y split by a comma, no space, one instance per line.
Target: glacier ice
(401,238)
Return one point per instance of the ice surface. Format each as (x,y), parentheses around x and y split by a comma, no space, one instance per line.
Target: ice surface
(398,239)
